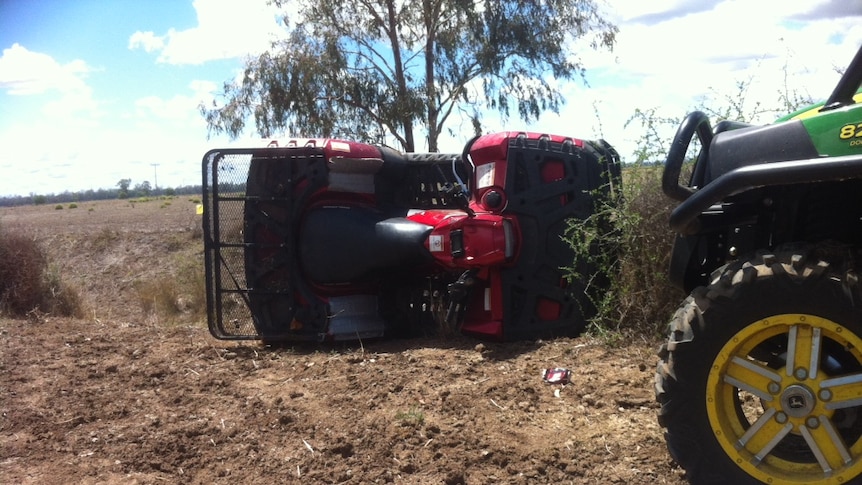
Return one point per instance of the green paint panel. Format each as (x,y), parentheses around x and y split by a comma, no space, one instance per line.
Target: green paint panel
(838,132)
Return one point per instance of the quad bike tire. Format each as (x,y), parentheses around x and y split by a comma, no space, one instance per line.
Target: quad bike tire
(760,380)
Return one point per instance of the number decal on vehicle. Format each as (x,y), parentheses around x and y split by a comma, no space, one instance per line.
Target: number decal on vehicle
(852,130)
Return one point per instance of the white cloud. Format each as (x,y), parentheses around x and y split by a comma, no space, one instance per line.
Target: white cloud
(23,72)
(79,157)
(157,110)
(672,54)
(731,35)
(27,73)
(148,41)
(225,30)
(179,113)
(56,154)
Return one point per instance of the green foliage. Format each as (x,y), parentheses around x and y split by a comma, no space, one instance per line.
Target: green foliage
(58,207)
(73,205)
(636,244)
(652,146)
(144,188)
(123,185)
(739,105)
(376,69)
(636,247)
(29,285)
(413,417)
(67,197)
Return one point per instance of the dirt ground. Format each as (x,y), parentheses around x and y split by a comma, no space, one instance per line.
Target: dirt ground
(126,396)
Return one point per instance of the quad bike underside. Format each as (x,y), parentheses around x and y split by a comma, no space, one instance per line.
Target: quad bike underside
(304,245)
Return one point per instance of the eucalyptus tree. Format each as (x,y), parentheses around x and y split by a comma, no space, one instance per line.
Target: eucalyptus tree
(375,70)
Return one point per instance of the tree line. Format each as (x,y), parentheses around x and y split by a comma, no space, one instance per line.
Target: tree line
(124,191)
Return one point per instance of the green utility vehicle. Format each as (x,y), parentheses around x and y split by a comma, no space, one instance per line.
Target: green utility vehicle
(761,377)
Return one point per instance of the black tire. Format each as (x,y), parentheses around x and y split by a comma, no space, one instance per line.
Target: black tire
(733,410)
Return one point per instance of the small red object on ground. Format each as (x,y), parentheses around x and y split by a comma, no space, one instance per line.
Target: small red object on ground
(557,375)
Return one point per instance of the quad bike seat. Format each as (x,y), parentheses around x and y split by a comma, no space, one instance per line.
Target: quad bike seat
(339,245)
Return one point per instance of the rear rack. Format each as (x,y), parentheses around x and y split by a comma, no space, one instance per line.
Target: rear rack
(235,293)
(253,201)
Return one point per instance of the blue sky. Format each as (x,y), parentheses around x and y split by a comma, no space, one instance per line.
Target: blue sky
(95,91)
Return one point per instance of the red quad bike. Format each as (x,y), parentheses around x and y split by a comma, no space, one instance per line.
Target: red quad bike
(323,239)
(760,380)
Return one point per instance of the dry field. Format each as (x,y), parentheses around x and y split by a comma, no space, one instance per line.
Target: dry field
(133,395)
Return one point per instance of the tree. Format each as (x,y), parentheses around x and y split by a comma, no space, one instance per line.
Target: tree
(123,185)
(144,188)
(373,69)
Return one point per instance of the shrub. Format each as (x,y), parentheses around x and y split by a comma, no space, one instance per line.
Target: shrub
(22,263)
(635,252)
(60,298)
(58,207)
(179,296)
(637,249)
(104,239)
(412,418)
(28,283)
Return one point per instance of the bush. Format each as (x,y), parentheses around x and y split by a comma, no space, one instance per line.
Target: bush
(181,296)
(635,253)
(22,263)
(58,297)
(28,284)
(636,250)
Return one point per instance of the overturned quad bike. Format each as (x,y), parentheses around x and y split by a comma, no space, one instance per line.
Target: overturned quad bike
(324,239)
(761,377)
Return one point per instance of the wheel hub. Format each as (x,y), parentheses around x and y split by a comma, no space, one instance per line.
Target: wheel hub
(795,421)
(797,401)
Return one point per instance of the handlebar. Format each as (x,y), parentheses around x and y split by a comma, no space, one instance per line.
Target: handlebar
(695,123)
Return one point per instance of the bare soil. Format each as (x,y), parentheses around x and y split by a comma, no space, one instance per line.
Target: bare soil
(127,396)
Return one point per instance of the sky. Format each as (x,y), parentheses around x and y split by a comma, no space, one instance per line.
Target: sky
(94,91)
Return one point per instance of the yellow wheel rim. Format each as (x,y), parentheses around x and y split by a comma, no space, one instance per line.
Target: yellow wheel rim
(784,399)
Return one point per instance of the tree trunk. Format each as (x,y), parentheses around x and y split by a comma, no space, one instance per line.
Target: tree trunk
(430,13)
(409,145)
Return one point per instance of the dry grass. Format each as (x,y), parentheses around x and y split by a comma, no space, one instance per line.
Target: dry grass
(29,284)
(635,254)
(643,297)
(180,296)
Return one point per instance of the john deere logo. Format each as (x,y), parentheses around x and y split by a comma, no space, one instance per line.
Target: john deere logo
(798,401)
